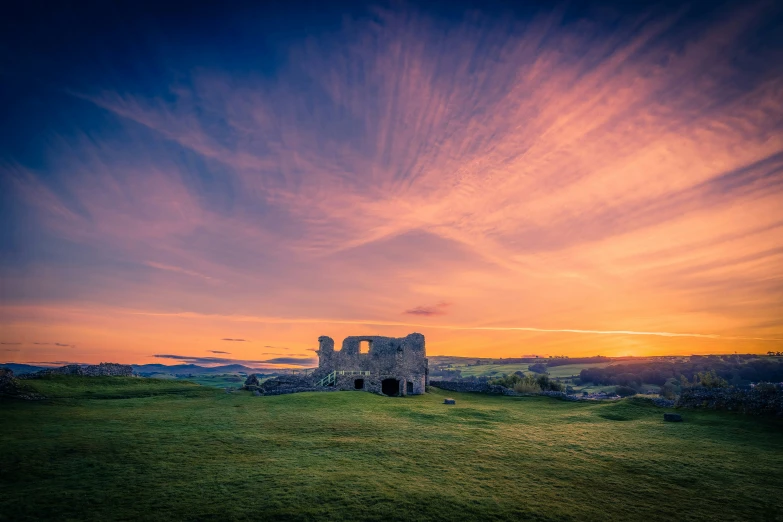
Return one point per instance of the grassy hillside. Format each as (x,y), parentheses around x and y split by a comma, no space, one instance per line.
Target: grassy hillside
(195,452)
(497,369)
(71,387)
(565,373)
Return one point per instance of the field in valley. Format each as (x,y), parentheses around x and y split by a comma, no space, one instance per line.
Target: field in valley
(114,448)
(565,373)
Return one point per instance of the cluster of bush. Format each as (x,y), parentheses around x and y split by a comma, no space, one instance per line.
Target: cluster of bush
(446,373)
(520,382)
(538,368)
(673,387)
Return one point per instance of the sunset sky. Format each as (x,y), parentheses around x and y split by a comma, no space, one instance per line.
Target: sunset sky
(218,185)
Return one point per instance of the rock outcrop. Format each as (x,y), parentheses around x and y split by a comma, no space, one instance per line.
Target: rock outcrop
(11,387)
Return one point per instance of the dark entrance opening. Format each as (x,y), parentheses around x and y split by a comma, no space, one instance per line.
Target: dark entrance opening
(390,387)
(409,389)
(358,384)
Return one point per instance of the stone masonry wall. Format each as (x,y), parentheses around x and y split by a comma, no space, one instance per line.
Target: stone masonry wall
(761,400)
(469,386)
(403,359)
(494,389)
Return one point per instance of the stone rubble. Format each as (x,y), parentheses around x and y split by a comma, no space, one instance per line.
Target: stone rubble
(96,370)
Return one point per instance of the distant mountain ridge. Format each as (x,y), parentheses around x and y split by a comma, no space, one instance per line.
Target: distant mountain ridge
(21,369)
(149,369)
(186,369)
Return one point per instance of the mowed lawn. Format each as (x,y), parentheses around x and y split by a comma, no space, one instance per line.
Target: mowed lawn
(127,449)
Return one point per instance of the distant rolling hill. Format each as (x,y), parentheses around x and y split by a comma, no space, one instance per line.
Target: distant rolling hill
(21,369)
(150,369)
(194,369)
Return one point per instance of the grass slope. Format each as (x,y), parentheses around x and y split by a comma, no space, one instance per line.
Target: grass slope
(199,454)
(566,370)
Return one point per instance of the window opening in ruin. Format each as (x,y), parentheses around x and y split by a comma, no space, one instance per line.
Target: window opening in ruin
(364,346)
(410,387)
(358,384)
(390,387)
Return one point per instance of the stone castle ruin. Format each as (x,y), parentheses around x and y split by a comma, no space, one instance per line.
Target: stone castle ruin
(388,365)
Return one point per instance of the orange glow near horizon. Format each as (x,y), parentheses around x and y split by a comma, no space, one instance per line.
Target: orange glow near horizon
(543,199)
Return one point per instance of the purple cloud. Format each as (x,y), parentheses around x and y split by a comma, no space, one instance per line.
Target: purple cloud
(427,311)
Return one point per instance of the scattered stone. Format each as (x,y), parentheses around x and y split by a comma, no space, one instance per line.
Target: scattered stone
(449,401)
(672,417)
(257,393)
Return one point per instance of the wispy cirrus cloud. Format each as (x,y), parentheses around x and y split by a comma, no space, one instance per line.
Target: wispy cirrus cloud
(161,266)
(552,175)
(426,311)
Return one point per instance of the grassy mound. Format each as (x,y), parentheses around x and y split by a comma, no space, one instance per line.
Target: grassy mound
(187,455)
(76,387)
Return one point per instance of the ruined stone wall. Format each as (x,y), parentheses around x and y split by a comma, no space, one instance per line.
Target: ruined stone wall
(469,387)
(97,370)
(401,358)
(495,389)
(294,384)
(762,400)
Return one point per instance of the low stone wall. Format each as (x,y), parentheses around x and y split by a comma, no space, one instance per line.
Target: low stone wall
(470,386)
(293,384)
(96,370)
(761,400)
(494,389)
(663,403)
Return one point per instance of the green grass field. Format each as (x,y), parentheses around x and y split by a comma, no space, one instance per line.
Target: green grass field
(564,373)
(122,449)
(566,370)
(220,381)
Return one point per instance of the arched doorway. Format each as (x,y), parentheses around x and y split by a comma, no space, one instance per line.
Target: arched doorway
(390,387)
